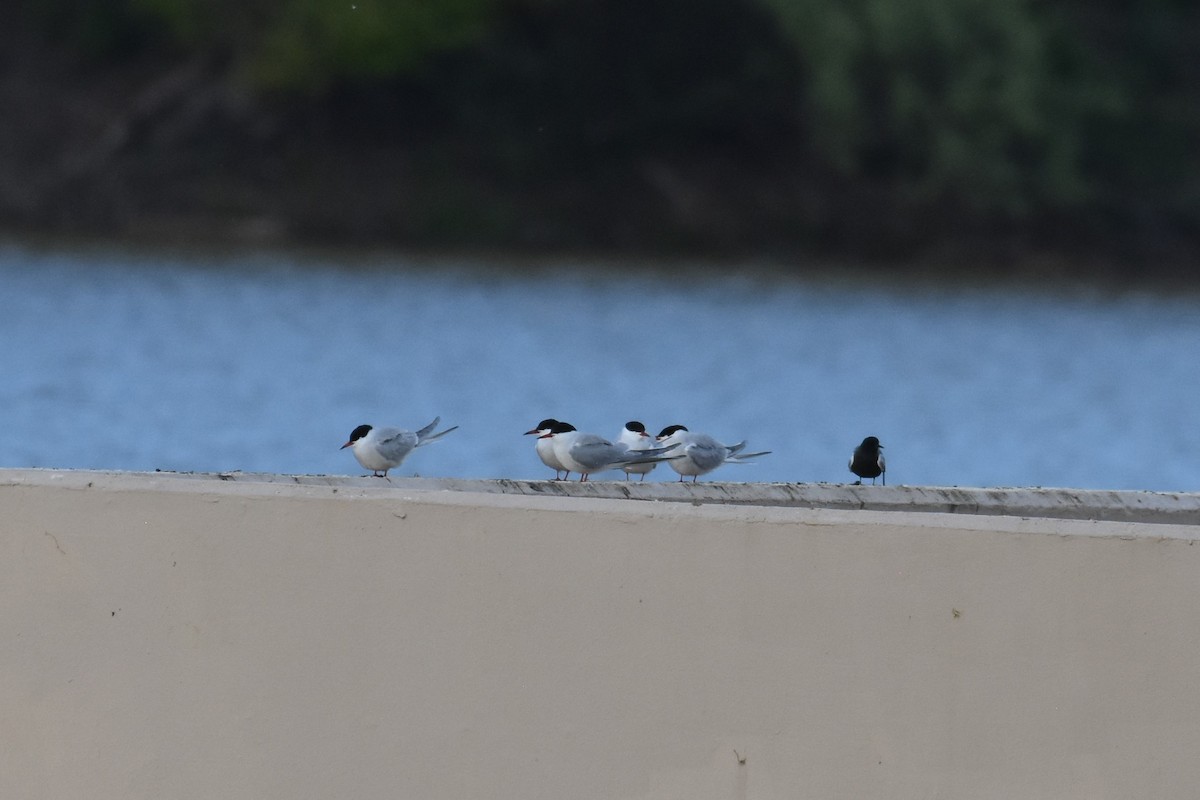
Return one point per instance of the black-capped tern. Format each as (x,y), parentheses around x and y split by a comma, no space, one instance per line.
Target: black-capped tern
(544,447)
(381,449)
(699,453)
(634,437)
(586,453)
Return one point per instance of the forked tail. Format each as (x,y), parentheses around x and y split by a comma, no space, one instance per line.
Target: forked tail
(424,436)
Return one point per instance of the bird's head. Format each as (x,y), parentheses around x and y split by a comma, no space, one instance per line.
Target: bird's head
(670,431)
(542,427)
(356,434)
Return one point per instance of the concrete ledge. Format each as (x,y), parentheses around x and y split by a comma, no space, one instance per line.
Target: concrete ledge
(250,636)
(1108,505)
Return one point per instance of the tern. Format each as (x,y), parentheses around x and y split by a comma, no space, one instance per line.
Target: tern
(586,453)
(544,447)
(381,449)
(867,461)
(700,454)
(634,437)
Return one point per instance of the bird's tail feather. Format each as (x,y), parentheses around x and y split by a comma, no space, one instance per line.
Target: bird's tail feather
(421,434)
(650,460)
(425,435)
(740,458)
(652,455)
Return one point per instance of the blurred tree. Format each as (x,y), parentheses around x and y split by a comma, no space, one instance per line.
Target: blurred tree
(99,30)
(314,42)
(887,126)
(1062,117)
(941,99)
(1142,160)
(590,80)
(298,45)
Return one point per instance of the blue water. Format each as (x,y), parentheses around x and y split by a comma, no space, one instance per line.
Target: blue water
(142,360)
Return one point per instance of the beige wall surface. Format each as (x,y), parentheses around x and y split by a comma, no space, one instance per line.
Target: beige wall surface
(178,639)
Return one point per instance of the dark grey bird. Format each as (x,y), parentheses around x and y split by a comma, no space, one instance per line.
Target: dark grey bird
(867,461)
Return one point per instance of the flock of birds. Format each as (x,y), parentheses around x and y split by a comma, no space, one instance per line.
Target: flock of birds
(564,449)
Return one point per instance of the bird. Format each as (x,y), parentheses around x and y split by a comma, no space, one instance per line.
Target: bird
(544,447)
(700,453)
(586,453)
(381,449)
(634,436)
(867,461)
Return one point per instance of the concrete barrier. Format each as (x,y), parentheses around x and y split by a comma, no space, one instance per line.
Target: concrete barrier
(307,637)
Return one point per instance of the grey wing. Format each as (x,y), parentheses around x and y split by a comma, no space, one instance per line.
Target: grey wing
(591,439)
(652,451)
(648,455)
(706,455)
(596,451)
(395,444)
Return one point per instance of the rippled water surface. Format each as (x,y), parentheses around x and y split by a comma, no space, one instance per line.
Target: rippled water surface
(265,362)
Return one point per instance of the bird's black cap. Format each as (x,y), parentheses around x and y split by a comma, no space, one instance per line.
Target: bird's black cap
(357,433)
(544,425)
(635,426)
(667,431)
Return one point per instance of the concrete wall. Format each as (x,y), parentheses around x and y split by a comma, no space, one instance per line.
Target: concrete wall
(166,637)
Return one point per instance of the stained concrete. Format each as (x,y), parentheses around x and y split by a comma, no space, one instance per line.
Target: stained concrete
(198,636)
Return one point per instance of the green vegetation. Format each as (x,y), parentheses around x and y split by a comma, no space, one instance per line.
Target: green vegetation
(960,99)
(300,45)
(887,126)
